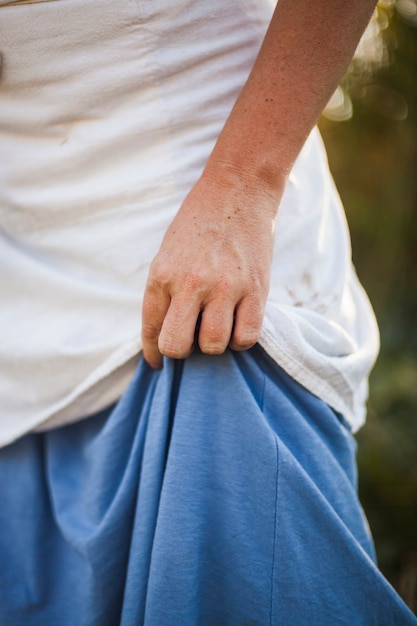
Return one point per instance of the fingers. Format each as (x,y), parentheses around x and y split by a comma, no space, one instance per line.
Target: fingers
(248,323)
(168,320)
(155,306)
(216,327)
(178,329)
(169,325)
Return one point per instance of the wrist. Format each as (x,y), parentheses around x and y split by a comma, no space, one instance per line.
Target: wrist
(256,178)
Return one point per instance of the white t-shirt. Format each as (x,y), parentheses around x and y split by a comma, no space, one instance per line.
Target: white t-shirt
(108,112)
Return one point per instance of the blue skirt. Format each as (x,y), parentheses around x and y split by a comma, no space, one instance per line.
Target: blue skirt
(216,492)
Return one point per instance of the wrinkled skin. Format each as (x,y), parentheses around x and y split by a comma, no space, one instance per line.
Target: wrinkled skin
(215,260)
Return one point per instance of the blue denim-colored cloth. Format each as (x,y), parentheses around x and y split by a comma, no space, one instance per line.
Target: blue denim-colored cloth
(216,492)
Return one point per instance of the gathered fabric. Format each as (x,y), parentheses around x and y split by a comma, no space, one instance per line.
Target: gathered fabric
(108,113)
(216,491)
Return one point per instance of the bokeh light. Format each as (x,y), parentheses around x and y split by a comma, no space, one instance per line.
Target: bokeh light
(374,51)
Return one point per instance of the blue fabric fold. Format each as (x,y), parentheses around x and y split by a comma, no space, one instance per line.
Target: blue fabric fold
(216,492)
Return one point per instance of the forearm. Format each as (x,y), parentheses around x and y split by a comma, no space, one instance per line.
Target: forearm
(216,256)
(305,53)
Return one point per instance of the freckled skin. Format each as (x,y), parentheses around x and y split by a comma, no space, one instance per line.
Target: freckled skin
(214,262)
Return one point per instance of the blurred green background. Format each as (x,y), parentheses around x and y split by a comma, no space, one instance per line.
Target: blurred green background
(370,130)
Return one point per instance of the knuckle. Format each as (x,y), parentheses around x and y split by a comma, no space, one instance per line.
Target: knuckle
(160,273)
(173,350)
(171,353)
(245,341)
(196,282)
(216,329)
(150,332)
(212,347)
(247,335)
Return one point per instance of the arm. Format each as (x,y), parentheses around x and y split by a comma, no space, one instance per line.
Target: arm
(216,255)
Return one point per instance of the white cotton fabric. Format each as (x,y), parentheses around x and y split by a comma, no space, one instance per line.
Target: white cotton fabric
(108,112)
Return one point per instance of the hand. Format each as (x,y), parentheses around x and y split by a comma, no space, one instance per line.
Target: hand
(215,261)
